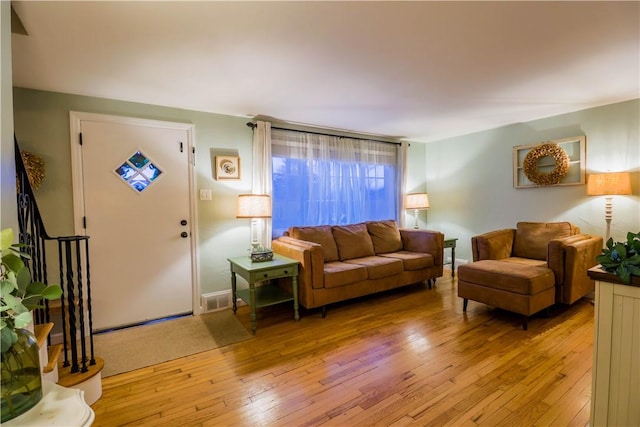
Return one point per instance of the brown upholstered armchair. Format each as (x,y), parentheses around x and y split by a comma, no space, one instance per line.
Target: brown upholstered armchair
(559,246)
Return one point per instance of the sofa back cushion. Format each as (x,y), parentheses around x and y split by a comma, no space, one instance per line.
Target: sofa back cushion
(353,241)
(320,234)
(532,238)
(385,236)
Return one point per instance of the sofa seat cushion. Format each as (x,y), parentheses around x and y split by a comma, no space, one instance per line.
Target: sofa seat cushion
(526,261)
(385,236)
(378,267)
(338,274)
(532,238)
(507,276)
(320,234)
(353,241)
(412,261)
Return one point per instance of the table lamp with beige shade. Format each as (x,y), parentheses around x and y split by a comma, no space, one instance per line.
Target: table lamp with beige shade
(416,202)
(254,207)
(609,184)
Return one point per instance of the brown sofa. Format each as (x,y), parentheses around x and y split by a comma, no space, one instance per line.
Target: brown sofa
(341,262)
(529,268)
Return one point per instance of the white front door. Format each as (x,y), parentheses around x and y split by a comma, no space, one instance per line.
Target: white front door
(132,187)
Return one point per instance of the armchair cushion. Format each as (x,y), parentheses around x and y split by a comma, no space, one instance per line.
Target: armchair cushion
(532,238)
(525,261)
(494,244)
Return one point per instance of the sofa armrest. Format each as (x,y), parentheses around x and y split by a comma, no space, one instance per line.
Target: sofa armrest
(493,245)
(308,254)
(424,241)
(570,258)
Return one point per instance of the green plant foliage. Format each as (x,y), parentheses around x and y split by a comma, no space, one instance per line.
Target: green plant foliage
(622,258)
(19,294)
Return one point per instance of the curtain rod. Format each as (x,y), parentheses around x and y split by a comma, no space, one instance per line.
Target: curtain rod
(253,126)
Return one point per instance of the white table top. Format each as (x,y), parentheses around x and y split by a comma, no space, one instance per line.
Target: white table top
(60,406)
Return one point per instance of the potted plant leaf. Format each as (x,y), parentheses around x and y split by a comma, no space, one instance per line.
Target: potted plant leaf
(622,258)
(20,366)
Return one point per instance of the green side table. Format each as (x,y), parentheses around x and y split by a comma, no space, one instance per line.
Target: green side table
(266,295)
(451,244)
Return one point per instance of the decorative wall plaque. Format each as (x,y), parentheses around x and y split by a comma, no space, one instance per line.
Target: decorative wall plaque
(555,162)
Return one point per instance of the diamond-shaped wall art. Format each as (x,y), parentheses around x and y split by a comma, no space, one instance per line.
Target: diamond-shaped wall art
(138,171)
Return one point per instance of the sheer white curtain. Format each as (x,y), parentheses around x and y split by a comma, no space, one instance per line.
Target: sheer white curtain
(403,148)
(261,178)
(323,179)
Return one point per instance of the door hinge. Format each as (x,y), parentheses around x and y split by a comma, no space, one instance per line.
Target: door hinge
(181,147)
(84,222)
(193,154)
(80,138)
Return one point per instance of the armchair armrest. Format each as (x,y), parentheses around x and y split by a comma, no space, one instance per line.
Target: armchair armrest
(424,241)
(570,258)
(493,245)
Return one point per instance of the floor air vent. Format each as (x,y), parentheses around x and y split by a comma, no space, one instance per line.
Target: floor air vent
(216,301)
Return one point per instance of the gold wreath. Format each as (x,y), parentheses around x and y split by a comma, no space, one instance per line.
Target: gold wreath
(35,168)
(530,164)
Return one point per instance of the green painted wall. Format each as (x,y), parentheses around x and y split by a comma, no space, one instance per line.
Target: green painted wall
(42,127)
(470,178)
(8,212)
(416,181)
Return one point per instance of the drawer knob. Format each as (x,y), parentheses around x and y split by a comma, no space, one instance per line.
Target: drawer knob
(286,272)
(266,275)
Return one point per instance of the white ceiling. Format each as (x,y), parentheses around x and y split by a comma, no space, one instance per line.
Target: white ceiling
(419,70)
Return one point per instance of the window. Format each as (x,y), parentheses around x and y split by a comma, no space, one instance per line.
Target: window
(321,179)
(138,171)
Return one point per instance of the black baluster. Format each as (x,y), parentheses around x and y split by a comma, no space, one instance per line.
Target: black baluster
(81,308)
(63,310)
(72,309)
(89,306)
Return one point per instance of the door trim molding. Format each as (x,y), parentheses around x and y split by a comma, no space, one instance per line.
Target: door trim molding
(75,124)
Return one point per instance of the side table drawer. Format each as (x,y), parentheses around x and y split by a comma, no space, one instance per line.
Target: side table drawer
(279,272)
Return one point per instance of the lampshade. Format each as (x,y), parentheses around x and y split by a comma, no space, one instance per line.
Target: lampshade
(416,201)
(611,183)
(254,206)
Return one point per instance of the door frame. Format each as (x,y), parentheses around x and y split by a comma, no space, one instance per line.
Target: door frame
(75,119)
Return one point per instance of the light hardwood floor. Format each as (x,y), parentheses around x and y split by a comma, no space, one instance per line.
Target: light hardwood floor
(407,357)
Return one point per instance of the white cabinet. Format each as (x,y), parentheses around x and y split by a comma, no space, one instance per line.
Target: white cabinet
(60,406)
(615,396)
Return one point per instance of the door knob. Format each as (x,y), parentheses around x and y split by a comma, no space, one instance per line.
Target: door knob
(183,222)
(184,234)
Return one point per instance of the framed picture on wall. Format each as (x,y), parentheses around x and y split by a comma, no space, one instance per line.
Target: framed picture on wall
(535,164)
(227,167)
